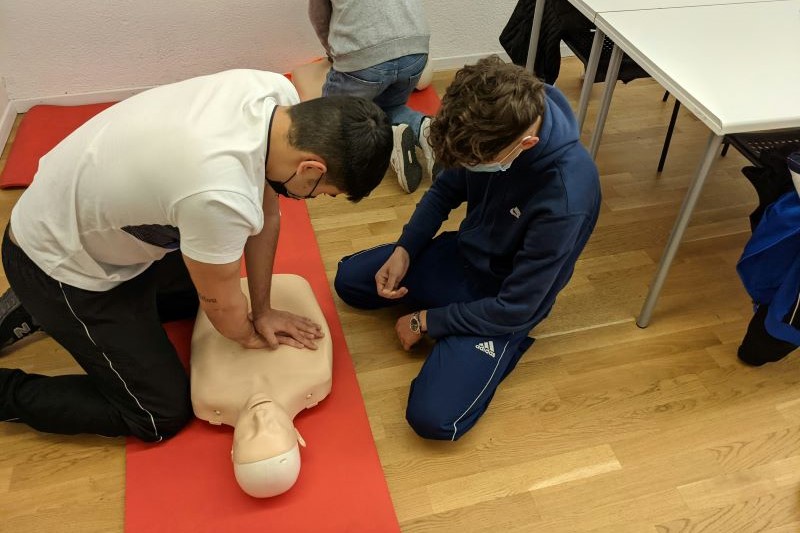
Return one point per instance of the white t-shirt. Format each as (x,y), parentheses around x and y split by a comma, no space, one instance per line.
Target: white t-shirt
(180,166)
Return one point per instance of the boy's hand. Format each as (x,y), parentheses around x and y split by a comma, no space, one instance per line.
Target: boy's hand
(407,336)
(389,276)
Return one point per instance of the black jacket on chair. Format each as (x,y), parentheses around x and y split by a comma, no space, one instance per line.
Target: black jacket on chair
(560,21)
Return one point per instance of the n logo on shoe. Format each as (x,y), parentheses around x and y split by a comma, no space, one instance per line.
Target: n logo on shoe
(486,347)
(21,331)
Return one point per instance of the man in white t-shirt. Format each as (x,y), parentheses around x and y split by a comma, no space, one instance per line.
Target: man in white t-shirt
(195,167)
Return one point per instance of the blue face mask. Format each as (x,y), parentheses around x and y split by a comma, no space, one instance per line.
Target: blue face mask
(498,166)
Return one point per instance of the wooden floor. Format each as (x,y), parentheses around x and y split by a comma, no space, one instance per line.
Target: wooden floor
(603,427)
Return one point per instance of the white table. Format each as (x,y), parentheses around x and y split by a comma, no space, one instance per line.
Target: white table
(590,9)
(734,66)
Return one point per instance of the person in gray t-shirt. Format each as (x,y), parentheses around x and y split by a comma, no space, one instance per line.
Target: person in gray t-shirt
(378,50)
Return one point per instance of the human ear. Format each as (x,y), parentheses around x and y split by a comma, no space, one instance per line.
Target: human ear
(529,142)
(318,167)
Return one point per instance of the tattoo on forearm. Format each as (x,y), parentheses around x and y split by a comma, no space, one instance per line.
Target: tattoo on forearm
(206,299)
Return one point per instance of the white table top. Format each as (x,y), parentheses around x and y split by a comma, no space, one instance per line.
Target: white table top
(590,8)
(734,66)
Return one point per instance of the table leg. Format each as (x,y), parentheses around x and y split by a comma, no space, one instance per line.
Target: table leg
(682,221)
(533,44)
(611,80)
(588,80)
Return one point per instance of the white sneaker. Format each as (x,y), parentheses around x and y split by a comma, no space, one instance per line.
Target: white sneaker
(431,165)
(404,158)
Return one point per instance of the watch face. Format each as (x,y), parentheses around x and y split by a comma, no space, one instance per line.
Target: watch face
(414,324)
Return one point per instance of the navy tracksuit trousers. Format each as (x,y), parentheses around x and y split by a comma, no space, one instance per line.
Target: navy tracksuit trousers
(462,372)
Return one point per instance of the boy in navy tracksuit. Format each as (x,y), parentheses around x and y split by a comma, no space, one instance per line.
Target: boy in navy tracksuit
(533,196)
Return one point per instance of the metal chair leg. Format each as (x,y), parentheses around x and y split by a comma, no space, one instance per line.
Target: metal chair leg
(666,95)
(668,138)
(536,30)
(725,146)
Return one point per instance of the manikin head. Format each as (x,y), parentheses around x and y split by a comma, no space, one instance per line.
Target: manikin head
(266,456)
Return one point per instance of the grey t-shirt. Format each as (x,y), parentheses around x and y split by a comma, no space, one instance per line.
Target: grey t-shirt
(361,33)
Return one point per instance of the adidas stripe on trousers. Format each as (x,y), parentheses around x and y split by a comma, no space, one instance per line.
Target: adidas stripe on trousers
(134,382)
(462,372)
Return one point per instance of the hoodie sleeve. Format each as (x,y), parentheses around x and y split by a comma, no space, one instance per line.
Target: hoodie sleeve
(447,192)
(541,268)
(319,13)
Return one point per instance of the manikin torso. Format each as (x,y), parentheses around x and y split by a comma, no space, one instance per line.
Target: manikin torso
(259,392)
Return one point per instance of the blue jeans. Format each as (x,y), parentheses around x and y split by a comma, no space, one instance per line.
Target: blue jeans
(462,372)
(388,84)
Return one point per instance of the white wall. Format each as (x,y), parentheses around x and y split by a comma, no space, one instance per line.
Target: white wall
(78,47)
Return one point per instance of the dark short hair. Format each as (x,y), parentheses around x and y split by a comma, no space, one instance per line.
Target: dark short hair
(351,134)
(486,107)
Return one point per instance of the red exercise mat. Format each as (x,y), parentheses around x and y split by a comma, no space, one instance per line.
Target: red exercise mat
(43,127)
(187,483)
(425,101)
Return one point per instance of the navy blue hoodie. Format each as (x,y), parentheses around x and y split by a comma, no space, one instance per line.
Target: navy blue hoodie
(523,231)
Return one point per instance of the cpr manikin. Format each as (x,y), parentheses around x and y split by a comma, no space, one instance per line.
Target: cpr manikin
(259,392)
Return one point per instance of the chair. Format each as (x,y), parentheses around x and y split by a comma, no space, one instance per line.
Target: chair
(563,22)
(753,145)
(769,173)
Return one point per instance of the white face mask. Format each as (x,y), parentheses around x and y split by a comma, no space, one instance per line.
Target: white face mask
(498,166)
(488,167)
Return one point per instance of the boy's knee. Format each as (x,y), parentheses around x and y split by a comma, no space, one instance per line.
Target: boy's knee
(176,421)
(429,424)
(424,425)
(164,424)
(354,288)
(343,283)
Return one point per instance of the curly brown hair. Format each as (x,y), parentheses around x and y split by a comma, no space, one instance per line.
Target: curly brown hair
(488,106)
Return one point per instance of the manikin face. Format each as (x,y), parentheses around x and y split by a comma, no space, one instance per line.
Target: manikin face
(266,457)
(263,430)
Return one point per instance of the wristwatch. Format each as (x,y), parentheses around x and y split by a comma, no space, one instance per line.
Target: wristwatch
(415,324)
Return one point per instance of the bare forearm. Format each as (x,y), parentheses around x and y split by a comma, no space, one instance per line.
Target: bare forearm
(259,255)
(229,317)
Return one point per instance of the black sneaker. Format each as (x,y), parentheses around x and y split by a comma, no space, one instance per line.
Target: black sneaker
(431,164)
(15,322)
(404,158)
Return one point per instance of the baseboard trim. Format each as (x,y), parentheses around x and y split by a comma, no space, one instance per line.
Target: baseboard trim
(456,62)
(6,123)
(98,97)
